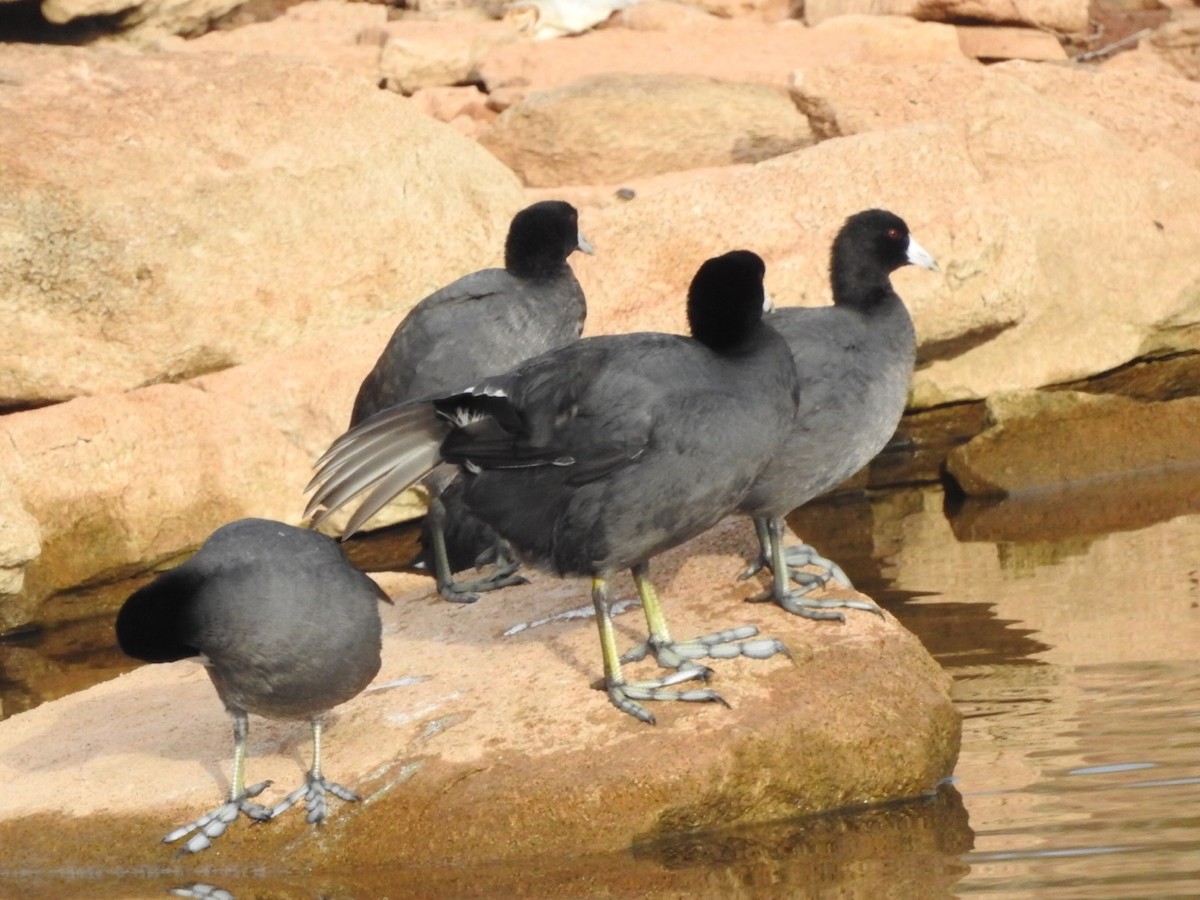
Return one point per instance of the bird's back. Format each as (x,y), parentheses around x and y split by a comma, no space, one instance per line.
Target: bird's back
(484,323)
(665,437)
(289,627)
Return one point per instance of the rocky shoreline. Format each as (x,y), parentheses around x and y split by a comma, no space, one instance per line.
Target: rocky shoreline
(205,243)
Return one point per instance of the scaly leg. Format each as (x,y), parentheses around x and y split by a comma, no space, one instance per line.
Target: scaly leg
(314,787)
(212,825)
(681,655)
(625,696)
(797,602)
(464,591)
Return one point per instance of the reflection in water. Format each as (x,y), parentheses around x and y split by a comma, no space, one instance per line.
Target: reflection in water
(1071,625)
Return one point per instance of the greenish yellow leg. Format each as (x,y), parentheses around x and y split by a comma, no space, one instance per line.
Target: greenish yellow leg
(625,696)
(681,655)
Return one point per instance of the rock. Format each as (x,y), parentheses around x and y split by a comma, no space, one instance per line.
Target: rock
(170,215)
(345,35)
(766,10)
(734,50)
(455,769)
(1146,110)
(164,466)
(144,19)
(545,19)
(431,54)
(609,127)
(799,201)
(20,544)
(1096,437)
(466,109)
(1087,309)
(1178,43)
(993,43)
(1056,15)
(661,15)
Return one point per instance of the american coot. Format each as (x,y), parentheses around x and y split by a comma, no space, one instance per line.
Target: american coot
(598,456)
(854,360)
(482,324)
(286,627)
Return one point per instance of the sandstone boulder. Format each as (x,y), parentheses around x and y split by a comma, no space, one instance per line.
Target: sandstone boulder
(344,35)
(734,50)
(20,544)
(119,483)
(995,42)
(481,740)
(609,127)
(1088,309)
(1098,438)
(788,210)
(1066,16)
(169,215)
(1178,43)
(438,53)
(144,19)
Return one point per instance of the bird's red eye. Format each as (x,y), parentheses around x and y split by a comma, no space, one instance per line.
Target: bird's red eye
(893,234)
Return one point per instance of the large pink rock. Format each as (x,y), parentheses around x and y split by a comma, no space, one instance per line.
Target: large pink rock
(1057,15)
(608,127)
(171,215)
(482,740)
(735,50)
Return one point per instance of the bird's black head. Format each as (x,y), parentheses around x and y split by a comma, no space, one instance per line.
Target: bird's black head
(152,622)
(870,246)
(540,239)
(726,300)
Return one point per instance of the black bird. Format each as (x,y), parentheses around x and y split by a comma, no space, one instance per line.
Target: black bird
(854,360)
(598,456)
(286,627)
(482,324)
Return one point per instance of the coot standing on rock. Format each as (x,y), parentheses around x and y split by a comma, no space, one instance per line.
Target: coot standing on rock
(482,324)
(854,360)
(287,628)
(600,455)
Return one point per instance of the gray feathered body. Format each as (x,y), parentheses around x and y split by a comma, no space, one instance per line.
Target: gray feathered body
(287,626)
(482,324)
(855,366)
(664,436)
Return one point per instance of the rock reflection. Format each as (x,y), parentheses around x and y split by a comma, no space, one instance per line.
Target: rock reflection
(848,853)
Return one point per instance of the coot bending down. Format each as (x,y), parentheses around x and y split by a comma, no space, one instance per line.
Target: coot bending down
(287,628)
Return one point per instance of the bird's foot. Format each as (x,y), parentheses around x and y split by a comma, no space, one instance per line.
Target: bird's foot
(313,791)
(728,644)
(798,603)
(212,825)
(755,566)
(626,696)
(468,591)
(807,555)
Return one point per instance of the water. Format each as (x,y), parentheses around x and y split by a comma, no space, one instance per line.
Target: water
(1071,625)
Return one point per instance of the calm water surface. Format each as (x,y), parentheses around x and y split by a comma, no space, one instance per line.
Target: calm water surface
(1071,625)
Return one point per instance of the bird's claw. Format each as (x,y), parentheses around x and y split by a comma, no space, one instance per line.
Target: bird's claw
(625,697)
(313,791)
(728,644)
(212,825)
(465,591)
